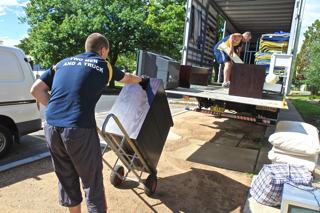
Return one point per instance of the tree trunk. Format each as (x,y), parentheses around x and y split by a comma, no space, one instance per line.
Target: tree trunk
(313,90)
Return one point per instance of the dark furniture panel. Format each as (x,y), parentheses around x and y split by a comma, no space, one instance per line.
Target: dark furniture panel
(194,75)
(247,80)
(146,120)
(159,66)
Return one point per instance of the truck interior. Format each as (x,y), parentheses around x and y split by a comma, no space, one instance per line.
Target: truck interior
(208,21)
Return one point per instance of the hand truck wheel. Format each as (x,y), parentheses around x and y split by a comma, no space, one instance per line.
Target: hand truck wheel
(114,176)
(150,184)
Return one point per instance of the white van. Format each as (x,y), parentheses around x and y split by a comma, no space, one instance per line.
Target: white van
(19,111)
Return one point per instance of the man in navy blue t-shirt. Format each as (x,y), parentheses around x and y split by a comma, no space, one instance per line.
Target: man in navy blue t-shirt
(76,84)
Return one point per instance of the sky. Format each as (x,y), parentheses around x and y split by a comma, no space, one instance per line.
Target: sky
(12,30)
(311,13)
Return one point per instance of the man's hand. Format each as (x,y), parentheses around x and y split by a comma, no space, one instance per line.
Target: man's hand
(144,82)
(231,52)
(237,52)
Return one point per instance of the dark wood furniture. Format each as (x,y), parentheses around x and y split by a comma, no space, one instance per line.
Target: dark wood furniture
(194,75)
(247,80)
(146,117)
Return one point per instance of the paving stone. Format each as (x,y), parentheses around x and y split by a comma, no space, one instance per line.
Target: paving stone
(227,141)
(269,131)
(235,134)
(263,157)
(249,144)
(228,138)
(227,157)
(186,151)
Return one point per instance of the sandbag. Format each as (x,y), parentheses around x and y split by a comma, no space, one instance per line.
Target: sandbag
(308,162)
(295,154)
(297,137)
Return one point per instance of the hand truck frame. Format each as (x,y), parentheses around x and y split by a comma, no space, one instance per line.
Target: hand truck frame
(134,162)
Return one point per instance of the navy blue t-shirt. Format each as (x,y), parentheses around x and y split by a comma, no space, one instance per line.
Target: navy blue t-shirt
(76,87)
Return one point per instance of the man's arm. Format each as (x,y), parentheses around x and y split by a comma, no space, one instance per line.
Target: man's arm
(233,38)
(239,50)
(40,91)
(130,79)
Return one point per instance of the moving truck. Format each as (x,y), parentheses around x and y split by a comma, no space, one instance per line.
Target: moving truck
(257,16)
(19,112)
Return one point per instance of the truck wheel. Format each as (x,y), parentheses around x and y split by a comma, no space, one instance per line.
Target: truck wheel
(6,140)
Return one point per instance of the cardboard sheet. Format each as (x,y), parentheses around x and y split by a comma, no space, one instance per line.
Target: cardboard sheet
(235,58)
(131,107)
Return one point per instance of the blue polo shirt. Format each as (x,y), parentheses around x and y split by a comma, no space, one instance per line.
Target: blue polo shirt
(76,86)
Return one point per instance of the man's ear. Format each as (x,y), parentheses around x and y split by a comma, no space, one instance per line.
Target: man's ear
(107,51)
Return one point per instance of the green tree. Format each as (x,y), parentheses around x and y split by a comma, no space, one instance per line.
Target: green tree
(166,21)
(307,68)
(312,72)
(26,46)
(220,27)
(59,29)
(311,35)
(219,35)
(127,62)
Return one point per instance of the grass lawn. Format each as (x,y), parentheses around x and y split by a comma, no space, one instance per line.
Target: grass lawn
(308,107)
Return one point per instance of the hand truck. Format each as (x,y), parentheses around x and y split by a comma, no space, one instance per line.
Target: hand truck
(131,158)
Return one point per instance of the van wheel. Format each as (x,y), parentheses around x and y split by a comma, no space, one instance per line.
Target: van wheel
(6,139)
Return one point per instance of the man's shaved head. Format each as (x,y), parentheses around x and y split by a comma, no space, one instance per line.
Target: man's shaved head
(95,42)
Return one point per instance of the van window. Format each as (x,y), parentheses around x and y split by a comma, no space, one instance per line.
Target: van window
(10,68)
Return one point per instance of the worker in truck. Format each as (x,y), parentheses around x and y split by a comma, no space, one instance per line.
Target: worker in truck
(76,84)
(235,44)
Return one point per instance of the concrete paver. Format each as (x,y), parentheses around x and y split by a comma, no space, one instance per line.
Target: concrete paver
(228,139)
(263,156)
(249,144)
(227,157)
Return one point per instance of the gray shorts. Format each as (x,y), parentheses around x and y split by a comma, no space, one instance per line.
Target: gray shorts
(75,154)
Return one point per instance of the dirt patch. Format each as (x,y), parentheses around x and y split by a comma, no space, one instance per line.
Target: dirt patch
(183,186)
